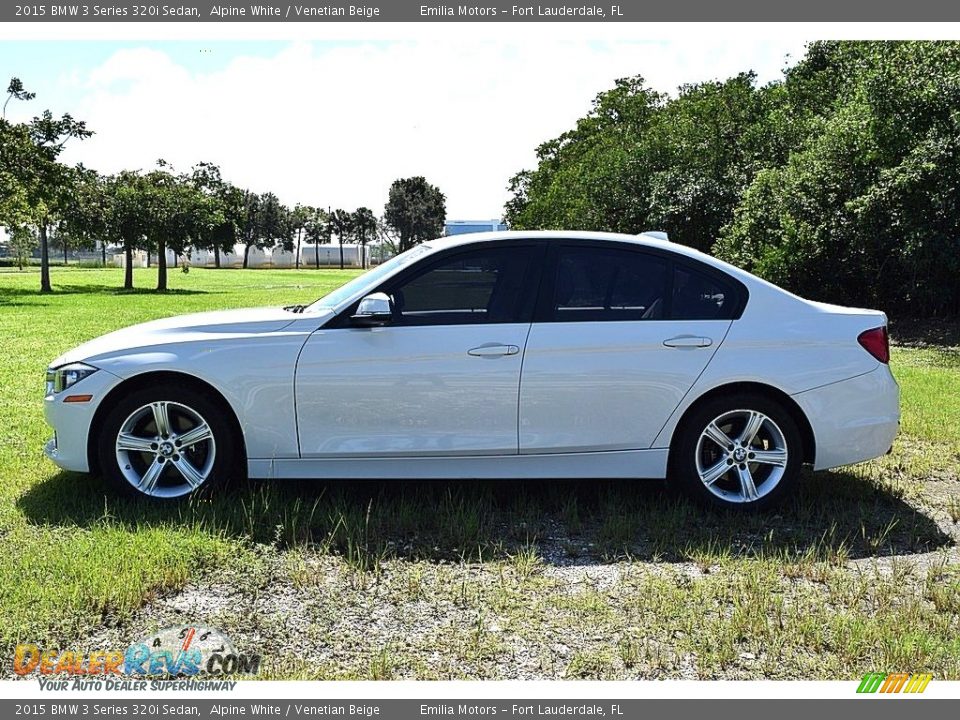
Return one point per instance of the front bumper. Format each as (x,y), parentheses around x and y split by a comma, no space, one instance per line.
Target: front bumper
(71,421)
(853,420)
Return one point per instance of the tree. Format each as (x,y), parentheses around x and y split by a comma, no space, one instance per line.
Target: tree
(299,218)
(82,222)
(595,176)
(866,208)
(840,182)
(342,223)
(364,229)
(264,223)
(178,214)
(276,230)
(415,211)
(127,217)
(318,230)
(43,184)
(639,161)
(15,150)
(225,210)
(248,222)
(23,241)
(16,91)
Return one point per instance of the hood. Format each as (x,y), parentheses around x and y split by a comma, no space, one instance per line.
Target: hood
(181,328)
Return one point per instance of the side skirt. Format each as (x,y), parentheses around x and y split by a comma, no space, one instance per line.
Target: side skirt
(619,464)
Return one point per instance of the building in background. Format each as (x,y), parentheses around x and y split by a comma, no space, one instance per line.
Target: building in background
(459,227)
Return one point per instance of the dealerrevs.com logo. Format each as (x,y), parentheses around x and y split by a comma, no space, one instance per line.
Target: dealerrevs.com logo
(188,653)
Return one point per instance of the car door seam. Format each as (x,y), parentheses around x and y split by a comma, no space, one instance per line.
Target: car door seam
(296,372)
(523,357)
(692,385)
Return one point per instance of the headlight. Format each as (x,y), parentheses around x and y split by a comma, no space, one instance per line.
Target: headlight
(61,378)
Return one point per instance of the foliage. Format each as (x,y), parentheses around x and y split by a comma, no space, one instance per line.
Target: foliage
(365,228)
(865,210)
(415,211)
(341,222)
(840,182)
(318,231)
(35,186)
(263,222)
(23,241)
(83,215)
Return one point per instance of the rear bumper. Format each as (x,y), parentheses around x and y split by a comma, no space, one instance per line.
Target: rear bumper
(853,420)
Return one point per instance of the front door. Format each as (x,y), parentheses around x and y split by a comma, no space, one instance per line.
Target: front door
(441,379)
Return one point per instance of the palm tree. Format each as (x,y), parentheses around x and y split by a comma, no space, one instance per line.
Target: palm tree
(364,229)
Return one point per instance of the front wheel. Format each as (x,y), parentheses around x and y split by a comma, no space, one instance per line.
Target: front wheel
(739,451)
(166,442)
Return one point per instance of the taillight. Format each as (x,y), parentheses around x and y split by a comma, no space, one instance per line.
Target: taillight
(876,342)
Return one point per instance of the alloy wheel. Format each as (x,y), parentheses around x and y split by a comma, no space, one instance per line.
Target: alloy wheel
(741,456)
(165,449)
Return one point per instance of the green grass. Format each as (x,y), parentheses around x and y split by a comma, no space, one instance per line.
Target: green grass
(586,579)
(59,579)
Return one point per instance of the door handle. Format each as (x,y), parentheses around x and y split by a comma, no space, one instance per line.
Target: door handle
(493,350)
(688,341)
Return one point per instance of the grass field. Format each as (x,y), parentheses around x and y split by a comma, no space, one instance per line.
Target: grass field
(860,572)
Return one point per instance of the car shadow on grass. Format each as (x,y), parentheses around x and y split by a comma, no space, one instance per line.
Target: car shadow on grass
(836,516)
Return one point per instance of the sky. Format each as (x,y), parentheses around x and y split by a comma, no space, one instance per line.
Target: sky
(333,122)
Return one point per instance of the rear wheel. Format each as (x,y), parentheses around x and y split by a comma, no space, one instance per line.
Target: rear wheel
(166,442)
(739,451)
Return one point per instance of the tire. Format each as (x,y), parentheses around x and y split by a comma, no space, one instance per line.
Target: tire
(728,469)
(167,442)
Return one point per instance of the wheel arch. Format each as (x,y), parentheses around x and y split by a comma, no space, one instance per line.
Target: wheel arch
(148,379)
(789,404)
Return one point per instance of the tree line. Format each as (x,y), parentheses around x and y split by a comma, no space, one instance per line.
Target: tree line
(43,199)
(841,181)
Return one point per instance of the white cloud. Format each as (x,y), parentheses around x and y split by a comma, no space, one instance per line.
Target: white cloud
(336,124)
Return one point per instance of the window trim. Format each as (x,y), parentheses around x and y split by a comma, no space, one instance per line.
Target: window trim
(544,312)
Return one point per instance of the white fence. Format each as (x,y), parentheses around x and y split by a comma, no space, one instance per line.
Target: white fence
(327,255)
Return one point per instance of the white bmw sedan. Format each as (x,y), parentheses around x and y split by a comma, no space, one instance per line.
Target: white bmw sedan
(501,355)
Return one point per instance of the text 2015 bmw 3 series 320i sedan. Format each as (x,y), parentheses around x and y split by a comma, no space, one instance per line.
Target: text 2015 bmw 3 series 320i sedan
(501,355)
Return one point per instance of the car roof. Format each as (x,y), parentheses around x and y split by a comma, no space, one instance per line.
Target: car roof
(467,238)
(651,240)
(643,240)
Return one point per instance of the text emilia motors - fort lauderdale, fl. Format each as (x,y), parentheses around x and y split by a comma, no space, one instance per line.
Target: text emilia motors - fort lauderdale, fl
(357,12)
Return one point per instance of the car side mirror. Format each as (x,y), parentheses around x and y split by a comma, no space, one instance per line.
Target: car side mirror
(374,310)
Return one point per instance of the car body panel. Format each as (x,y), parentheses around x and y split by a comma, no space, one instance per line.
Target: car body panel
(624,464)
(68,448)
(853,420)
(206,326)
(248,356)
(792,345)
(598,386)
(369,392)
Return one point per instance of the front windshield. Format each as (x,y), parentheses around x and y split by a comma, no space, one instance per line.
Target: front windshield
(369,278)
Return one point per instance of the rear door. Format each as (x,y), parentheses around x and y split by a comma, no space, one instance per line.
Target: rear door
(620,335)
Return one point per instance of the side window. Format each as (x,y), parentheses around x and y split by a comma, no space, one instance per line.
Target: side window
(482,286)
(699,296)
(594,284)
